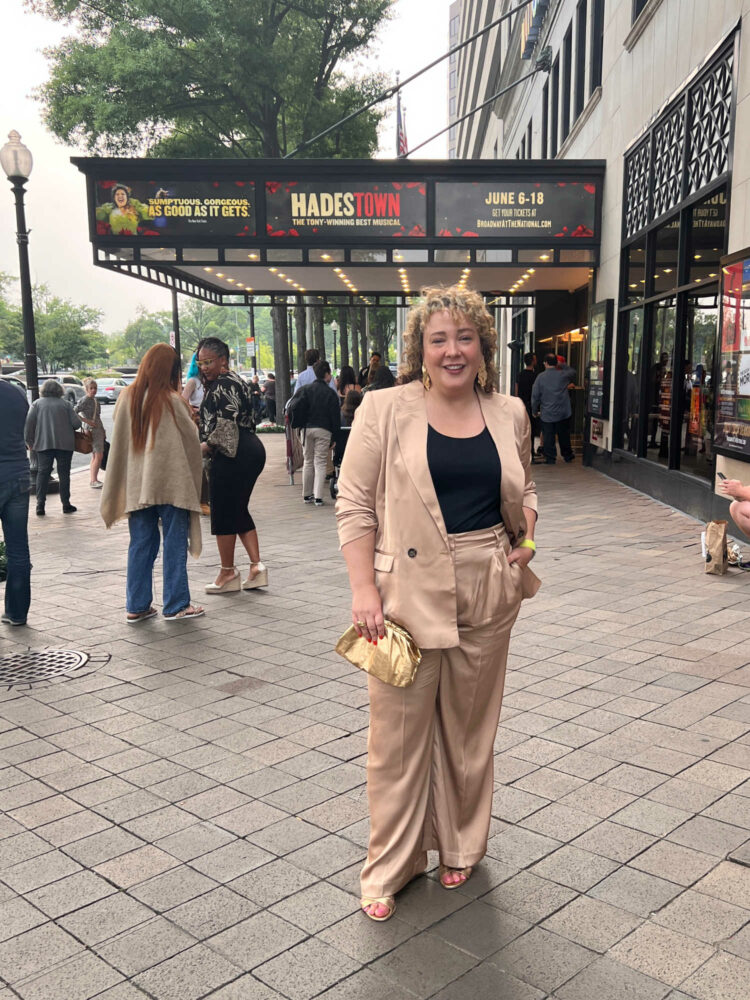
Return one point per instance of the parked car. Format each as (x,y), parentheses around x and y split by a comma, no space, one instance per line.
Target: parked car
(129,379)
(21,386)
(108,389)
(73,389)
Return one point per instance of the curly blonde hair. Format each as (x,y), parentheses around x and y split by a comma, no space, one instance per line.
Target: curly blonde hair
(458,302)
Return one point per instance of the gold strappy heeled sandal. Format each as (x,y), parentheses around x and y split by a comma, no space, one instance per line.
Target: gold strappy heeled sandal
(387,901)
(446,869)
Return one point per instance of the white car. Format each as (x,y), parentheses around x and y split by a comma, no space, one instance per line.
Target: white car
(108,389)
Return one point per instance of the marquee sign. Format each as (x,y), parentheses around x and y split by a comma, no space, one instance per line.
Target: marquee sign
(348,208)
(164,208)
(488,209)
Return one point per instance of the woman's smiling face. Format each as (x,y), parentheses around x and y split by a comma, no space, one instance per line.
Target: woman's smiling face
(452,352)
(211,365)
(121,198)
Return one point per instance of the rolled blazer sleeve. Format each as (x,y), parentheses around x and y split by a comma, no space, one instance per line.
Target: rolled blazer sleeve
(523,437)
(360,472)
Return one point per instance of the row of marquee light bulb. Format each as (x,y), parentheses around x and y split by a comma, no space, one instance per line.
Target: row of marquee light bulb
(406,288)
(522,280)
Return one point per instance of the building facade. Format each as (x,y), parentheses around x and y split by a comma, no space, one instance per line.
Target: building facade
(660,90)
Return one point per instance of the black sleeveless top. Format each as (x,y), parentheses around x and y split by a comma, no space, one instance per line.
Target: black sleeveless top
(466,475)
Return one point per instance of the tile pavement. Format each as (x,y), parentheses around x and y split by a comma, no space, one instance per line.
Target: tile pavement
(187,819)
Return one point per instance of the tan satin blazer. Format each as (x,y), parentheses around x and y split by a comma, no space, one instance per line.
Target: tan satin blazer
(386,487)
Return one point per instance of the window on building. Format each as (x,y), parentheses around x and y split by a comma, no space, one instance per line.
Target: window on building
(567,52)
(630,389)
(452,80)
(660,379)
(528,140)
(452,107)
(638,6)
(580,76)
(707,238)
(696,401)
(545,119)
(596,45)
(635,272)
(666,268)
(553,107)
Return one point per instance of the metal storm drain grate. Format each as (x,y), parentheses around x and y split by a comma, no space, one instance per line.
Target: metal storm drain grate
(39,666)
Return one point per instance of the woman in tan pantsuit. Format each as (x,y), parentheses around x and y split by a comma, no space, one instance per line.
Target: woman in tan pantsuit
(436,513)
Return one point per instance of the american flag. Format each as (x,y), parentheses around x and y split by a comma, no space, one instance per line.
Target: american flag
(402,147)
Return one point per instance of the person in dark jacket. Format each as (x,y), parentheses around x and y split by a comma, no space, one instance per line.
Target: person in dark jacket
(321,427)
(14,504)
(551,400)
(50,432)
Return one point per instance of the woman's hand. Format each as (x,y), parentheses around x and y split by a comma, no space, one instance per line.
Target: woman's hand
(367,613)
(522,556)
(734,488)
(205,448)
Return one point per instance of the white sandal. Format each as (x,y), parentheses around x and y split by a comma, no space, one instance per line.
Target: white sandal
(259,580)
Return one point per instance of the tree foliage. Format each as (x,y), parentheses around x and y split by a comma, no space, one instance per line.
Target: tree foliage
(238,78)
(67,334)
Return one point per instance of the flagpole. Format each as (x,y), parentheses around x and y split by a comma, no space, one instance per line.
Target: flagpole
(398,116)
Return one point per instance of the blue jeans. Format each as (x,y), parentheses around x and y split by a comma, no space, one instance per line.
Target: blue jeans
(14,514)
(142,553)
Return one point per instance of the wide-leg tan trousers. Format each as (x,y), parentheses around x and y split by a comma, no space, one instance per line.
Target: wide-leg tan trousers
(430,746)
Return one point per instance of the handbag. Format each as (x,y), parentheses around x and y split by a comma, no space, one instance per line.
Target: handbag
(105,456)
(394,660)
(83,443)
(225,437)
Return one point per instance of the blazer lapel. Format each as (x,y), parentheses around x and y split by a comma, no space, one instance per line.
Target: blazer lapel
(499,422)
(411,428)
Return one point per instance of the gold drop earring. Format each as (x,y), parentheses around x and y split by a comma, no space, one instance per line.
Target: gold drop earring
(482,375)
(426,380)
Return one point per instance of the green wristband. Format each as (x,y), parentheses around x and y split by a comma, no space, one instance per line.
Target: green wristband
(528,543)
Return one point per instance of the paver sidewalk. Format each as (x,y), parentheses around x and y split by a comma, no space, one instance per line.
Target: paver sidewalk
(189,818)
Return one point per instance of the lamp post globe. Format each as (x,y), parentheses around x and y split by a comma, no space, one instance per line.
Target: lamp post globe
(17,161)
(334,331)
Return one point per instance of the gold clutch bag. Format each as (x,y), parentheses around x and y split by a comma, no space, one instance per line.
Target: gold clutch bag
(394,660)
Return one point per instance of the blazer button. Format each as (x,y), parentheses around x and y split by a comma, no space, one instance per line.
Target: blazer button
(412,553)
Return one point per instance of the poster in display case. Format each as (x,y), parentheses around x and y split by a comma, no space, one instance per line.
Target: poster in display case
(732,423)
(599,364)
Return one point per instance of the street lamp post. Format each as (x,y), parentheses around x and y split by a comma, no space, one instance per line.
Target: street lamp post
(16,161)
(334,331)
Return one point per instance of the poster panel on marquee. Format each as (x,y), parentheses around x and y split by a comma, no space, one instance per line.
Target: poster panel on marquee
(497,209)
(346,209)
(166,208)
(732,421)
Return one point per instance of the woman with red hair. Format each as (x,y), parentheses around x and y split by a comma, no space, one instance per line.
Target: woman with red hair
(153,475)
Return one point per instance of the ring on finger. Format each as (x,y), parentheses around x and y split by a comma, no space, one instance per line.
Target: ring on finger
(361,624)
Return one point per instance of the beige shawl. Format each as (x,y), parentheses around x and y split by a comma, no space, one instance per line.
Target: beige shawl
(168,471)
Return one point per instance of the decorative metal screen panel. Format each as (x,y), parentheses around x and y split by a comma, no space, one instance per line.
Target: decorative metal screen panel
(669,138)
(710,104)
(706,131)
(637,173)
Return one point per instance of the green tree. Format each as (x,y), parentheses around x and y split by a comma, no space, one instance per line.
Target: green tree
(67,335)
(11,322)
(198,78)
(147,329)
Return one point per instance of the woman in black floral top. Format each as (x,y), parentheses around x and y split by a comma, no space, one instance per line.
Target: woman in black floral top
(236,459)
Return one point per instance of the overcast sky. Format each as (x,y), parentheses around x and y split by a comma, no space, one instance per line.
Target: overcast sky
(55,203)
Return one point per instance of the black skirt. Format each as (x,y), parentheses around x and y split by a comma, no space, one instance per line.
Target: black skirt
(230,483)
